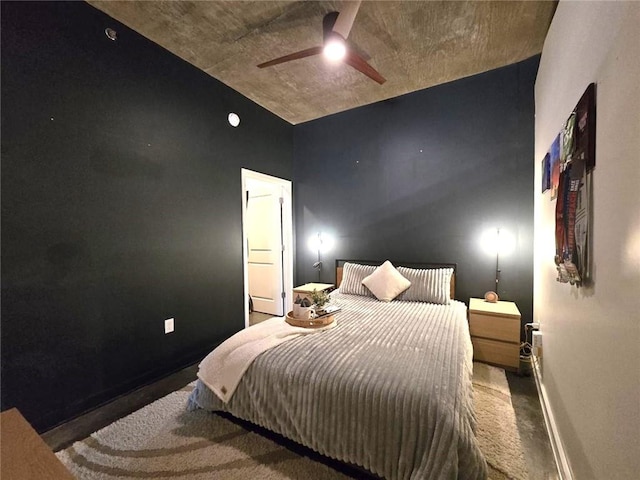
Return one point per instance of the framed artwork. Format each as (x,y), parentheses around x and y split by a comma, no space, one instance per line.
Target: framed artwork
(546,174)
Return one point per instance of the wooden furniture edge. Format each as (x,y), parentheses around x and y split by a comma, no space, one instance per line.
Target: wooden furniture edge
(494,313)
(497,314)
(24,452)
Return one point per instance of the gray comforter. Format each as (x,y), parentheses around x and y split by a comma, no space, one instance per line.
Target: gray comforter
(389,389)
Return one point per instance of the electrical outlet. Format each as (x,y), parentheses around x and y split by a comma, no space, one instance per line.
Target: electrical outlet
(536,343)
(169,325)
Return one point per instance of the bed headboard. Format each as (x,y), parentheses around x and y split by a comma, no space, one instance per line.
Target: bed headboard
(340,263)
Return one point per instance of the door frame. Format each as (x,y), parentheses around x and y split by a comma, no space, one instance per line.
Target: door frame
(287,236)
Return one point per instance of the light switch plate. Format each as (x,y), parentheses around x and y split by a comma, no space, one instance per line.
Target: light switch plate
(169,325)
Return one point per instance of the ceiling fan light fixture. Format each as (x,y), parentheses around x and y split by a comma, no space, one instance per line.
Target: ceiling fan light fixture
(335,50)
(336,27)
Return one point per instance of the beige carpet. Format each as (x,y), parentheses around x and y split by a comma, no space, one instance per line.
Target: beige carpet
(162,440)
(497,430)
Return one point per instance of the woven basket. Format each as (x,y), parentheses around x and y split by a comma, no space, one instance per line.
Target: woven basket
(318,322)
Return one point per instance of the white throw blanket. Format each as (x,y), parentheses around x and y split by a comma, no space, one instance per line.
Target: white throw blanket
(223,368)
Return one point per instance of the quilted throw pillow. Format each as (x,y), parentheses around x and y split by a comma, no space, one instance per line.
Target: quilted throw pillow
(386,283)
(352,276)
(431,285)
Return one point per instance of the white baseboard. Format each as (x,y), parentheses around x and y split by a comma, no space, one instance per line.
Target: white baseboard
(562,462)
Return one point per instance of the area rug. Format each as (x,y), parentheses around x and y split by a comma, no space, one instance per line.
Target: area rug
(163,440)
(497,430)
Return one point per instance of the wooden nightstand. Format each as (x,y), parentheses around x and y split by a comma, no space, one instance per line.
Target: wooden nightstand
(24,453)
(495,332)
(304,291)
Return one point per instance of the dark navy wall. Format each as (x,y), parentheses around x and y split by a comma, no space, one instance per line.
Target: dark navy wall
(420,177)
(121,206)
(121,199)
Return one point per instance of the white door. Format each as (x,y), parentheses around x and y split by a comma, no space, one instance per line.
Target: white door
(264,247)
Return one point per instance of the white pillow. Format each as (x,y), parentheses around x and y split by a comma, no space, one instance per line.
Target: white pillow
(427,285)
(352,276)
(386,283)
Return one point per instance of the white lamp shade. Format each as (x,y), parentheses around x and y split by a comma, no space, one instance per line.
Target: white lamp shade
(497,241)
(321,242)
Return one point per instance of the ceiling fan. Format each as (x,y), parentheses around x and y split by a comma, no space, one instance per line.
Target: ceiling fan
(336,27)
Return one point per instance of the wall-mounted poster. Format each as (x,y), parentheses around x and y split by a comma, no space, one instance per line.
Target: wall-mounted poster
(554,165)
(546,174)
(585,132)
(574,192)
(568,141)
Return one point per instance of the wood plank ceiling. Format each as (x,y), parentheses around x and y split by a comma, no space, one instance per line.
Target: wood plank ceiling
(413,44)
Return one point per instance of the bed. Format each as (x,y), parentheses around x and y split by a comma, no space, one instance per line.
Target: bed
(388,389)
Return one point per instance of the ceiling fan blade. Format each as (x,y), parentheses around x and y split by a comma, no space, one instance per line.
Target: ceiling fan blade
(344,22)
(354,47)
(328,21)
(359,63)
(309,52)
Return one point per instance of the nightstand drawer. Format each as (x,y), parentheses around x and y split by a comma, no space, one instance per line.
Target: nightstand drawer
(500,353)
(498,328)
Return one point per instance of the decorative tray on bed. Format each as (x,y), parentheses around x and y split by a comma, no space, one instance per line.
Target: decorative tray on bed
(316,322)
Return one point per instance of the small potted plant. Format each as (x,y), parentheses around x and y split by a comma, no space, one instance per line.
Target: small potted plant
(302,308)
(320,299)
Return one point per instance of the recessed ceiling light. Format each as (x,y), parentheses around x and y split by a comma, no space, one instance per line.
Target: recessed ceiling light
(234,119)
